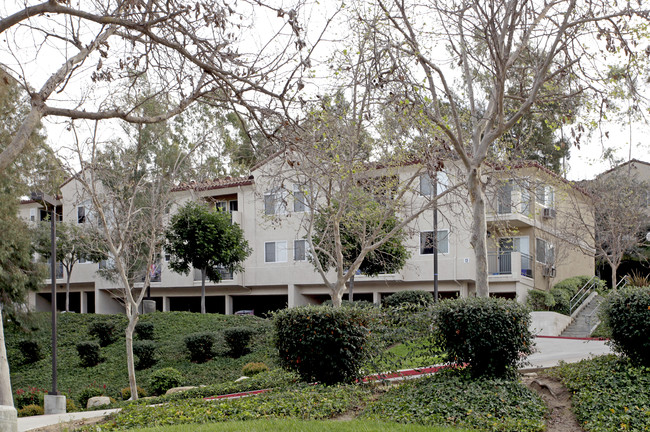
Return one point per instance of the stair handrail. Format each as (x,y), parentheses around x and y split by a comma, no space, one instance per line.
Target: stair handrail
(594,313)
(582,294)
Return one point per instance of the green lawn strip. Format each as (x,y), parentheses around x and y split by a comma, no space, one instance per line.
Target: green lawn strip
(301,426)
(609,394)
(304,402)
(453,398)
(111,375)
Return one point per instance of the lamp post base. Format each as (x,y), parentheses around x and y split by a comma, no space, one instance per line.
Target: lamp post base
(54,404)
(8,419)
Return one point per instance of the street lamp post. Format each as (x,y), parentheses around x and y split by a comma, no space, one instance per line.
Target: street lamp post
(54,402)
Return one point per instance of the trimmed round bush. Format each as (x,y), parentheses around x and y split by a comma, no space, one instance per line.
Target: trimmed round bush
(30,410)
(408,297)
(237,339)
(144,330)
(126,393)
(31,351)
(145,350)
(322,343)
(199,346)
(627,314)
(104,331)
(89,355)
(164,379)
(539,300)
(254,368)
(88,393)
(488,333)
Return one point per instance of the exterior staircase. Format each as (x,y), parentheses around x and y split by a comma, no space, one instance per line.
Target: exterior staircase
(585,320)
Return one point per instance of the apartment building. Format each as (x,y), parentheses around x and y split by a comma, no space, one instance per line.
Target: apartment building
(528,247)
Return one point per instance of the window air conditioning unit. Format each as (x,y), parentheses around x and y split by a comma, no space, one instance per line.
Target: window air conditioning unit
(548,271)
(549,213)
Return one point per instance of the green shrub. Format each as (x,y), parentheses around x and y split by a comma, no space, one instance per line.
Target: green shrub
(199,346)
(164,379)
(322,343)
(145,350)
(89,353)
(627,314)
(254,368)
(539,300)
(104,331)
(408,297)
(70,406)
(144,330)
(31,351)
(564,290)
(355,303)
(88,393)
(488,333)
(237,339)
(31,396)
(30,410)
(126,393)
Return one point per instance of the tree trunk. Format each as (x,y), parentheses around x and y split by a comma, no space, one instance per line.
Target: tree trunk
(6,397)
(336,293)
(67,293)
(351,290)
(132,314)
(614,276)
(203,272)
(479,231)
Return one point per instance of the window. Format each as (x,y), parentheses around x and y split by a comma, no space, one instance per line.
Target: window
(275,251)
(221,205)
(274,203)
(299,199)
(545,196)
(504,198)
(544,251)
(426,183)
(426,242)
(82,213)
(32,214)
(300,250)
(233,206)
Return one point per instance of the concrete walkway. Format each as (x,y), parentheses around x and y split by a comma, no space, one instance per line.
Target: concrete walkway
(35,422)
(549,352)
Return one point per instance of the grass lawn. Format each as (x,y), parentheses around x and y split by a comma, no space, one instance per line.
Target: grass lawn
(301,426)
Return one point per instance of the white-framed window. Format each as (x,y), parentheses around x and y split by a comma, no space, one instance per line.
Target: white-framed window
(426,242)
(82,261)
(32,214)
(426,183)
(544,251)
(545,196)
(274,203)
(300,250)
(299,199)
(83,212)
(275,251)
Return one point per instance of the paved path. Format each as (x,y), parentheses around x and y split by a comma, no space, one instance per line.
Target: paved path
(550,351)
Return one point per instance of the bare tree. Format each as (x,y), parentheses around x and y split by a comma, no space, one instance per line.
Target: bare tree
(188,49)
(457,62)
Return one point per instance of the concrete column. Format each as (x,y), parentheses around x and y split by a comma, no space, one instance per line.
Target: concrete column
(165,304)
(376,298)
(148,306)
(83,302)
(228,304)
(295,297)
(54,404)
(8,419)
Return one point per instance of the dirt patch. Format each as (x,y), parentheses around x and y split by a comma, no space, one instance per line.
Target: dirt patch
(560,417)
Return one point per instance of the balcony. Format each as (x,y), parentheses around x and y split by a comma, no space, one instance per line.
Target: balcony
(512,206)
(225,274)
(506,263)
(59,270)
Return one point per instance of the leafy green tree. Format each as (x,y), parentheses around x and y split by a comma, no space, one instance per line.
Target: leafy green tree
(72,244)
(207,240)
(357,229)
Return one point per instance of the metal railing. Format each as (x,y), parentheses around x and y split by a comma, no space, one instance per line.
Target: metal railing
(582,294)
(499,263)
(526,265)
(592,318)
(225,274)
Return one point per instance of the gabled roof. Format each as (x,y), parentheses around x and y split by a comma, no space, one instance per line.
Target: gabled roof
(630,162)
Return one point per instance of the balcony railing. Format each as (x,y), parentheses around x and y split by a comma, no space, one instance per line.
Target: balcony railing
(225,274)
(59,270)
(501,263)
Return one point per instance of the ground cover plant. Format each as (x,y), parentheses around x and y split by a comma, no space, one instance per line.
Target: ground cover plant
(301,402)
(301,426)
(455,398)
(609,393)
(170,331)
